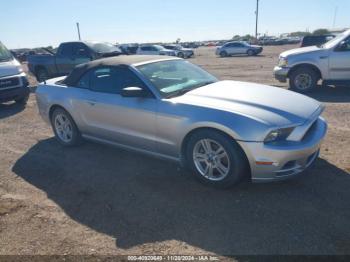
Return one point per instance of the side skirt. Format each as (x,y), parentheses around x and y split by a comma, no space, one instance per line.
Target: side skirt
(132,149)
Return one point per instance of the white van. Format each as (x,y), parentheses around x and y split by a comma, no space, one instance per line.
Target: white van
(13,81)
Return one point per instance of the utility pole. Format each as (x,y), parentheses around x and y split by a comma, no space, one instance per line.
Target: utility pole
(335,16)
(257,19)
(78,27)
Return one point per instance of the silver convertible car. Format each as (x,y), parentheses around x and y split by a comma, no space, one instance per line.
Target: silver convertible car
(224,131)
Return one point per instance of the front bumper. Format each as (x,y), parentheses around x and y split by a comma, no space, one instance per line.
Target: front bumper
(289,158)
(281,73)
(259,50)
(15,93)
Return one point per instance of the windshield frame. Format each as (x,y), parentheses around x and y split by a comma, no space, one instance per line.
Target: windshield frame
(7,54)
(335,41)
(167,95)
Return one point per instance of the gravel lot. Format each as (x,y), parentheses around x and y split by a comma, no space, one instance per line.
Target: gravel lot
(101,200)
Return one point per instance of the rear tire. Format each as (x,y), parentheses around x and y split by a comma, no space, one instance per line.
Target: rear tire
(303,80)
(216,159)
(65,129)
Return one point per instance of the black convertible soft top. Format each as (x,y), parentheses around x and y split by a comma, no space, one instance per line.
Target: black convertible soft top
(73,78)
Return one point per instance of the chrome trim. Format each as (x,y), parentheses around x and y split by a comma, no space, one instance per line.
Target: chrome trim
(12,87)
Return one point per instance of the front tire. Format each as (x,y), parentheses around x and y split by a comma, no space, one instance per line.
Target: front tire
(216,159)
(23,100)
(65,129)
(303,80)
(181,55)
(223,54)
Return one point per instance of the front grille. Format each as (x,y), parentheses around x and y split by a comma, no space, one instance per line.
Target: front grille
(10,82)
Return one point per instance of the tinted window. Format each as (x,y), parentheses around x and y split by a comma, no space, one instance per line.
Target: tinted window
(112,80)
(146,48)
(104,80)
(65,50)
(347,45)
(80,50)
(5,55)
(84,82)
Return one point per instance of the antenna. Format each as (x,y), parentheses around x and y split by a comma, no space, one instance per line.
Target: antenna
(78,27)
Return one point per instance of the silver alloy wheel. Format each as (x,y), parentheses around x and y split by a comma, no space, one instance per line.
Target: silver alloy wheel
(63,127)
(211,159)
(303,81)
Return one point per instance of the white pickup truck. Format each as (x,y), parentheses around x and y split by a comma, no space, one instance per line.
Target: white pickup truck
(304,67)
(13,81)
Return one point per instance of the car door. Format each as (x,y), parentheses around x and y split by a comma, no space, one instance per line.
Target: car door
(110,117)
(80,54)
(241,48)
(145,50)
(339,61)
(229,48)
(63,58)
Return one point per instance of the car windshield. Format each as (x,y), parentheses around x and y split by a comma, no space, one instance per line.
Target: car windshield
(175,77)
(159,48)
(5,54)
(334,41)
(103,47)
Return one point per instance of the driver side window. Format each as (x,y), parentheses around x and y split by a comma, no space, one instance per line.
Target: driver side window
(347,45)
(109,80)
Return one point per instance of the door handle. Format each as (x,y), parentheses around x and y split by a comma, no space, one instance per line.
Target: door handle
(323,57)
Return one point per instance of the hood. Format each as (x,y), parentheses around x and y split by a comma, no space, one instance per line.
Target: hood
(302,50)
(10,68)
(269,105)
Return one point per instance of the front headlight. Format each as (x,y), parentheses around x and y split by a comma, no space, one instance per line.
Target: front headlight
(283,62)
(279,134)
(20,69)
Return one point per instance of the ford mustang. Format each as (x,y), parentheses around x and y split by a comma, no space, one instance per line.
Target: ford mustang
(224,131)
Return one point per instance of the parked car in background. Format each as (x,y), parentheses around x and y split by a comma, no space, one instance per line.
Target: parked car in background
(154,50)
(192,45)
(180,51)
(128,49)
(13,81)
(304,67)
(69,55)
(317,40)
(224,131)
(235,48)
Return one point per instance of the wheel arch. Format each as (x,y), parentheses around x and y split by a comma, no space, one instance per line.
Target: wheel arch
(198,129)
(57,106)
(305,65)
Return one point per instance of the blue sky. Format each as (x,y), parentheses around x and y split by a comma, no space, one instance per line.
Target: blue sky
(30,23)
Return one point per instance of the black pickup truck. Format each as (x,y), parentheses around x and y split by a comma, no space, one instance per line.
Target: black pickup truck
(69,55)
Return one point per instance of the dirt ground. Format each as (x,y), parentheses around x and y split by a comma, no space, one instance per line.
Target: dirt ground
(95,199)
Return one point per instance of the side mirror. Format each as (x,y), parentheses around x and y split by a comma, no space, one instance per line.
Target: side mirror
(133,92)
(83,53)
